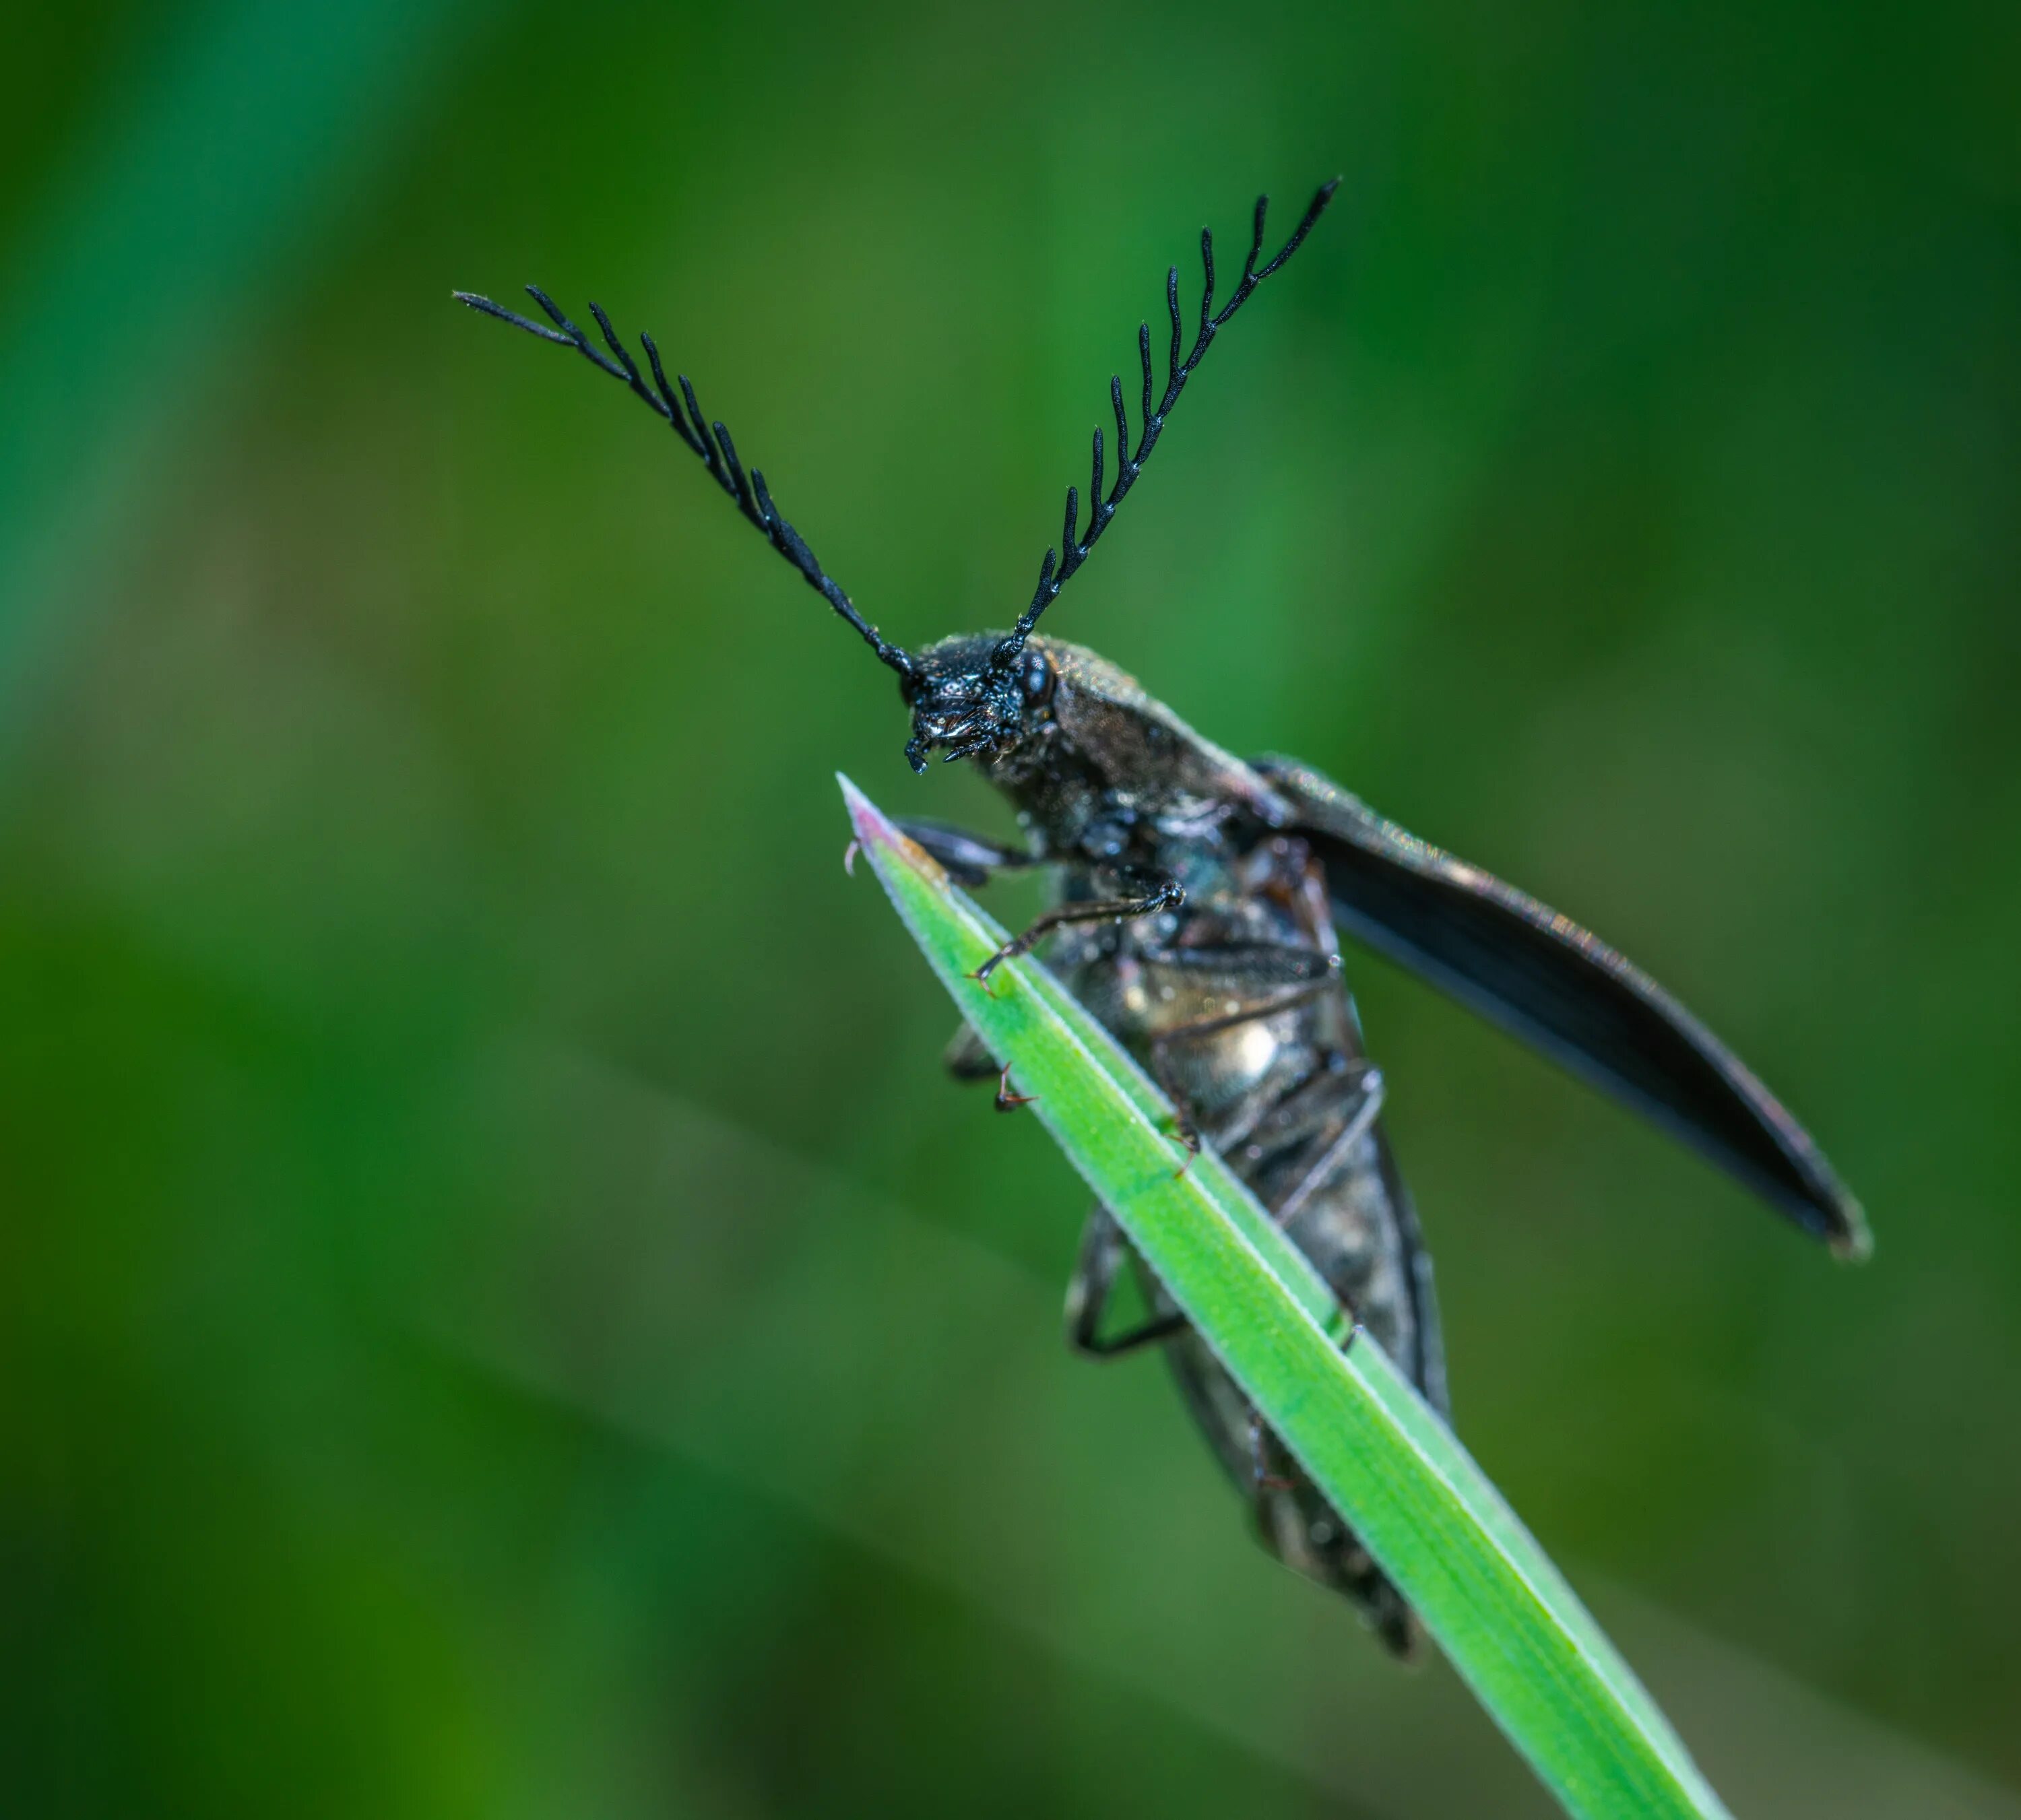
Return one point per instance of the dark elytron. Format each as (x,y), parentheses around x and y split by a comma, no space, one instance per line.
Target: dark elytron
(1197,906)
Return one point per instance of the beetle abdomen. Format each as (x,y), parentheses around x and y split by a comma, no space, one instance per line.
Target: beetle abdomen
(1235,1002)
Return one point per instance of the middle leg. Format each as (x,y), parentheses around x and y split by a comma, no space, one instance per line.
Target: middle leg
(1160,893)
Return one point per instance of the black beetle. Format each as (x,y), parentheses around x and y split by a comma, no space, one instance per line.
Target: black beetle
(1197,902)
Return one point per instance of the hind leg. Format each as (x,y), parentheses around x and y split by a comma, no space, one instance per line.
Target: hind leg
(1101,1250)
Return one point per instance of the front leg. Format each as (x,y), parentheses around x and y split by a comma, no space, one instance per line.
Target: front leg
(969,859)
(1162,892)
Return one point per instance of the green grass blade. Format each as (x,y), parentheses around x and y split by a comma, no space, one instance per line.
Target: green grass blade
(1504,1615)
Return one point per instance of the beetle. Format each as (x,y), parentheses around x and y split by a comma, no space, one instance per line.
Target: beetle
(1198,903)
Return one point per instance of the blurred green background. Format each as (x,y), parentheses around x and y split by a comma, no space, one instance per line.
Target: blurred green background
(501,1313)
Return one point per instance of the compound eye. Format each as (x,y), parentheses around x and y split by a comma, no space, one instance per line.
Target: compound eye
(1036,678)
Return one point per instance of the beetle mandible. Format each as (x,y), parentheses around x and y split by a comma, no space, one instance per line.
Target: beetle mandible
(1196,905)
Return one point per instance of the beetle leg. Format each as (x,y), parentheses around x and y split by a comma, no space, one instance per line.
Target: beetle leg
(1167,894)
(1088,1295)
(1088,1289)
(1007,1101)
(966,1059)
(966,1056)
(969,858)
(1369,1083)
(1261,1461)
(1161,1041)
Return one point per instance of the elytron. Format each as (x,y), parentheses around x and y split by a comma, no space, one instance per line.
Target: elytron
(1198,903)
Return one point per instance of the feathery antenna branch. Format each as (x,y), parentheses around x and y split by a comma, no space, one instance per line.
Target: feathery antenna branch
(1057,569)
(709,441)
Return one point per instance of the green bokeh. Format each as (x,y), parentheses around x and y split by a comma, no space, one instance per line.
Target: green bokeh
(500,1313)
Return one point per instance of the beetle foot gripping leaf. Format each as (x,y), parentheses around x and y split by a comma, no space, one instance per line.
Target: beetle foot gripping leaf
(1006,1101)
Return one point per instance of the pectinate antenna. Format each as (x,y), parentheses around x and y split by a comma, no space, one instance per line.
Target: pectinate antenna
(709,441)
(1056,569)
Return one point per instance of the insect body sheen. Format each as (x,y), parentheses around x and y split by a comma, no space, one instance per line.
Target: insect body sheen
(1197,905)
